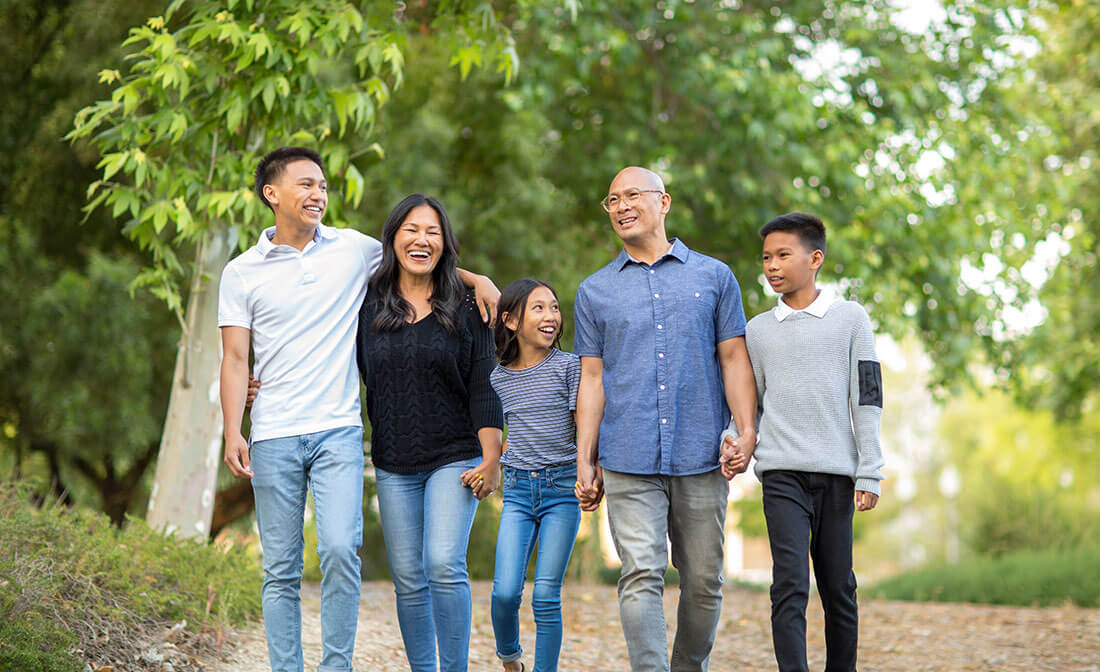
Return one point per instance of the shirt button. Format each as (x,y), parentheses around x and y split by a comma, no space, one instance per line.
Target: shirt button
(697,295)
(660,327)
(662,387)
(651,271)
(656,296)
(664,421)
(660,355)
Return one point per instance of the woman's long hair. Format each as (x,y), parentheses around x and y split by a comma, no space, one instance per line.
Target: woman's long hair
(513,304)
(394,311)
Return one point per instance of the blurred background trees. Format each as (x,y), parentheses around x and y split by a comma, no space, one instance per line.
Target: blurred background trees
(949,148)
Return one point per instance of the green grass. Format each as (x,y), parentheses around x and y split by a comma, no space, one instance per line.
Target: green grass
(1039,578)
(68,578)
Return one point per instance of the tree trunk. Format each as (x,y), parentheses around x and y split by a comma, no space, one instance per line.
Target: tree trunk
(231,504)
(182,499)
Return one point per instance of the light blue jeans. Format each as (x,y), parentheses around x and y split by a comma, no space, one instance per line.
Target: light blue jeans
(330,464)
(690,511)
(538,506)
(426,522)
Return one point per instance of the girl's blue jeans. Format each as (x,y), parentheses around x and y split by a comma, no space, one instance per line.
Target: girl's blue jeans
(426,522)
(538,506)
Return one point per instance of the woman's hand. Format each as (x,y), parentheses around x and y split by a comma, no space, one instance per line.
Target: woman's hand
(482,479)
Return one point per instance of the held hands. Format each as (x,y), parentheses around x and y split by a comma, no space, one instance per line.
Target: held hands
(865,501)
(482,479)
(236,456)
(589,485)
(735,453)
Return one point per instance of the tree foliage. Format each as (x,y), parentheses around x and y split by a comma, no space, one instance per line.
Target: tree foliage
(1058,365)
(81,364)
(212,87)
(849,110)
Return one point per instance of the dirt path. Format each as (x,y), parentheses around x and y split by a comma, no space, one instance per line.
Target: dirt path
(894,636)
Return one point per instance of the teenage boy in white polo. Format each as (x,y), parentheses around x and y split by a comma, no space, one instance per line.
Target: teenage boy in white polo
(295,298)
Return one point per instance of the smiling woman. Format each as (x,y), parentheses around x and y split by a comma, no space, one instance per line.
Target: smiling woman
(425,357)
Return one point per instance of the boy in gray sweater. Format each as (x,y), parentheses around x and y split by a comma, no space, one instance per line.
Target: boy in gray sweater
(819,391)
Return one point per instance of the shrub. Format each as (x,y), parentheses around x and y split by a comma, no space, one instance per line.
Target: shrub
(1038,578)
(73,588)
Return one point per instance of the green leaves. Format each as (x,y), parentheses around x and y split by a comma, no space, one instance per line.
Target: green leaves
(177,158)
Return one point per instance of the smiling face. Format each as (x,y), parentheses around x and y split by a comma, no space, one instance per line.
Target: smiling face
(540,323)
(789,266)
(644,219)
(418,242)
(299,195)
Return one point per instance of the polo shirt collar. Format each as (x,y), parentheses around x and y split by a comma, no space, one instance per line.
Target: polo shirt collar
(678,251)
(265,246)
(818,308)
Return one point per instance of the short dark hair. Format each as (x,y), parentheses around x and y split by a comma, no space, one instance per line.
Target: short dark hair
(447,288)
(513,302)
(809,229)
(272,166)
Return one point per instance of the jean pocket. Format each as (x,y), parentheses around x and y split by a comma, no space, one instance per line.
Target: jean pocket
(564,480)
(508,479)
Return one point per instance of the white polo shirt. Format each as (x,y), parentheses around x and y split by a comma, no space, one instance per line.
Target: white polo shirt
(303,311)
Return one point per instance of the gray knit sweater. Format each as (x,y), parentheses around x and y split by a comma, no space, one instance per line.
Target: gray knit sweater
(819,392)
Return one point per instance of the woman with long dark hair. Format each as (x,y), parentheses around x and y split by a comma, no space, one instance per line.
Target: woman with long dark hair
(425,357)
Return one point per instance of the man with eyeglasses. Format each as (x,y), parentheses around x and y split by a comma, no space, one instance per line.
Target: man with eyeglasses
(661,336)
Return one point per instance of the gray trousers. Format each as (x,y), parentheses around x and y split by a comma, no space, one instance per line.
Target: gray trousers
(690,511)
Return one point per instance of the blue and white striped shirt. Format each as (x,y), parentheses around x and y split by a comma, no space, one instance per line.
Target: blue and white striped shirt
(538,409)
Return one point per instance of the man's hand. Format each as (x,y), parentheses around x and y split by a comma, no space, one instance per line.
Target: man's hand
(482,479)
(736,453)
(236,456)
(487,297)
(253,390)
(865,501)
(589,486)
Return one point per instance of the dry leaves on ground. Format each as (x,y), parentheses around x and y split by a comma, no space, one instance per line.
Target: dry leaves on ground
(894,636)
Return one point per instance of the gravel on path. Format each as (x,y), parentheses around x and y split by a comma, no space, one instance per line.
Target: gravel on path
(894,636)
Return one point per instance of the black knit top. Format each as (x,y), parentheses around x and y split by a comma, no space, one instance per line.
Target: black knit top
(428,389)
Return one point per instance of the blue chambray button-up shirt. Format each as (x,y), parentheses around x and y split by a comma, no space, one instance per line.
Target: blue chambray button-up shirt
(657,329)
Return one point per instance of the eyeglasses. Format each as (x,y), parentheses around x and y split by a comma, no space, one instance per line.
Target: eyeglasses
(630,197)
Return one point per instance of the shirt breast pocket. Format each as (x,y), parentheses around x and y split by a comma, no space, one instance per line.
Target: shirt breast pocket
(693,310)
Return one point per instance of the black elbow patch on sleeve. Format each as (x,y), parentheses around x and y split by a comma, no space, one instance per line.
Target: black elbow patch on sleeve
(870,383)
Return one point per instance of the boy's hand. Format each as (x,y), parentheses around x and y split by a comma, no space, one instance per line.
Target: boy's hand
(735,453)
(236,456)
(865,501)
(486,296)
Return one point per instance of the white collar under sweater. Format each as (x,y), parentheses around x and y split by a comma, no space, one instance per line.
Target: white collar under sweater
(818,308)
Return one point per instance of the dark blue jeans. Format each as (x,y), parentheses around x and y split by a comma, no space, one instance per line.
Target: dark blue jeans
(809,515)
(538,506)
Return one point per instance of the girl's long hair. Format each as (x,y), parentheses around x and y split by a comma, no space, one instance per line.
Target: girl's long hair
(394,311)
(513,304)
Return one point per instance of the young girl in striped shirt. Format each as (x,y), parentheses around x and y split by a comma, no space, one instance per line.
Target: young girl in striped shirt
(537,384)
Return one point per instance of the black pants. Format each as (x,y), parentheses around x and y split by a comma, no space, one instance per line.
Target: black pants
(810,515)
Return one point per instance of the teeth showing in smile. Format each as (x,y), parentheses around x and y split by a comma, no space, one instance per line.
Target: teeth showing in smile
(314,208)
(627,220)
(549,331)
(419,254)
